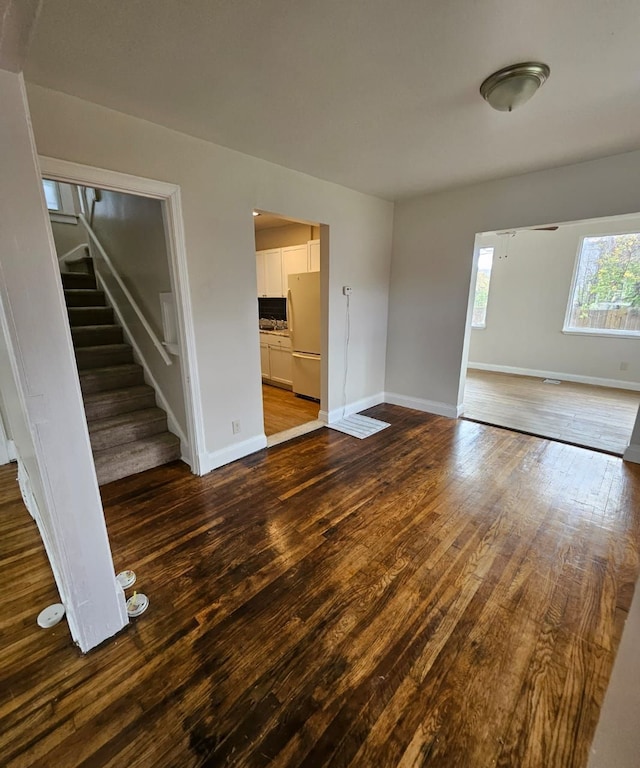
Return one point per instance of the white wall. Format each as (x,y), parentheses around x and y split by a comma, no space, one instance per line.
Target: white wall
(131,230)
(66,236)
(44,403)
(282,237)
(220,188)
(433,254)
(530,285)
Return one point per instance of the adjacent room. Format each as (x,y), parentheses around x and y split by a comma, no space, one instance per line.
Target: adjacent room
(290,324)
(555,332)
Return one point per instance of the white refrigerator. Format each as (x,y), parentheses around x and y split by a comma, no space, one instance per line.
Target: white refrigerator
(303,314)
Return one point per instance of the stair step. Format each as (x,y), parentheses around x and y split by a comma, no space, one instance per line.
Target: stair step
(82,266)
(103,355)
(131,458)
(111,402)
(93,335)
(90,316)
(111,377)
(84,297)
(77,280)
(126,428)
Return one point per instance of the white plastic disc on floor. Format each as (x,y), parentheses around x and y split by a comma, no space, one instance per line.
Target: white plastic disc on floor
(126,579)
(137,604)
(51,615)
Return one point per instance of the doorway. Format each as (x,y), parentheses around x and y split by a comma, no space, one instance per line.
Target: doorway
(554,331)
(288,268)
(167,196)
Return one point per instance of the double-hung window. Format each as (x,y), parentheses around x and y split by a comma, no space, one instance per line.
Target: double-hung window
(605,295)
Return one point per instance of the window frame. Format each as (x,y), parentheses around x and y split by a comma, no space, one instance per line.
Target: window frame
(608,332)
(475,326)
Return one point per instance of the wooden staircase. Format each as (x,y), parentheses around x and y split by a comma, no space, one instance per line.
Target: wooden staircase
(128,431)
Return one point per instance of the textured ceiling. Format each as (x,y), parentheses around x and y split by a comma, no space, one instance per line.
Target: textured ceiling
(378,95)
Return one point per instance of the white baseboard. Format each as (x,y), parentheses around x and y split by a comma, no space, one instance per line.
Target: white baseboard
(330,417)
(426,406)
(596,381)
(215,459)
(632,453)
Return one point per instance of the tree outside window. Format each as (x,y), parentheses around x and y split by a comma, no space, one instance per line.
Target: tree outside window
(606,291)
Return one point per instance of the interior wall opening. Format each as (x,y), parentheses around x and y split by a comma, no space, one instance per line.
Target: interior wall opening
(554,331)
(116,262)
(290,324)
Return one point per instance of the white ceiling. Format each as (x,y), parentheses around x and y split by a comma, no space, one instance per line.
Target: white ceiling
(378,95)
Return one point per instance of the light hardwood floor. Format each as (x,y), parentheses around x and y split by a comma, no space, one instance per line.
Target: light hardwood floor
(283,410)
(442,593)
(580,414)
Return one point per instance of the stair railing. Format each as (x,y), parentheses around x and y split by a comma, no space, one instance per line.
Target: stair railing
(121,284)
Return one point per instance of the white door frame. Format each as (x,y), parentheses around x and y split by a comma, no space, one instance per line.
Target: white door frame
(5,453)
(169,196)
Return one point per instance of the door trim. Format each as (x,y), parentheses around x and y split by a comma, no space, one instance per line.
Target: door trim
(170,197)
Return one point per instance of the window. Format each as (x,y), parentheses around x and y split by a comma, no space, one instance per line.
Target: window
(605,297)
(485,262)
(52,194)
(63,201)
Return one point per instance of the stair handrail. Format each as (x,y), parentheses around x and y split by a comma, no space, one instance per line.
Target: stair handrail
(121,284)
(66,257)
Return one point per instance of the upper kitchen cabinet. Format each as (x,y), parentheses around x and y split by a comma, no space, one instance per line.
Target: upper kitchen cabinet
(269,271)
(294,260)
(314,255)
(274,266)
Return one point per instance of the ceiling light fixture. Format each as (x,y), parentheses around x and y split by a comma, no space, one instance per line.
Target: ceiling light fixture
(255,213)
(512,86)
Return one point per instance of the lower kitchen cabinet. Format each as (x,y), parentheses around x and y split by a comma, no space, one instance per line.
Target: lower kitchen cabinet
(264,360)
(276,359)
(280,365)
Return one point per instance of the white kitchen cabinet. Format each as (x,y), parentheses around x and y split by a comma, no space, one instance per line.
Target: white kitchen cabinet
(280,365)
(260,272)
(269,272)
(295,259)
(274,266)
(313,247)
(265,369)
(276,359)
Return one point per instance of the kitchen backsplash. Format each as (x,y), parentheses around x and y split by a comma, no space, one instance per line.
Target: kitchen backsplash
(272,309)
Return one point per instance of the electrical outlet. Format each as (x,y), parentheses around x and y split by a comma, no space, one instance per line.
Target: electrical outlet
(624,366)
(235,426)
(347,290)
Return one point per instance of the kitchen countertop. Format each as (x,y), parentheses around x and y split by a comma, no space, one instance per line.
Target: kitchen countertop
(274,332)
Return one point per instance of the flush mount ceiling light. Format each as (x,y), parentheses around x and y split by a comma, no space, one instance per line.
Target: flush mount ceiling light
(255,213)
(510,87)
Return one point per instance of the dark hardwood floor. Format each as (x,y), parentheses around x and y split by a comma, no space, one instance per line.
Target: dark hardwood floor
(442,593)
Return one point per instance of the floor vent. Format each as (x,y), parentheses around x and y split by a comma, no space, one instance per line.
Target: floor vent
(359,426)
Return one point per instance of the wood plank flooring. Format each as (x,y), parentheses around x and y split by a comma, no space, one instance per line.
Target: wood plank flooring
(442,593)
(581,414)
(283,410)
